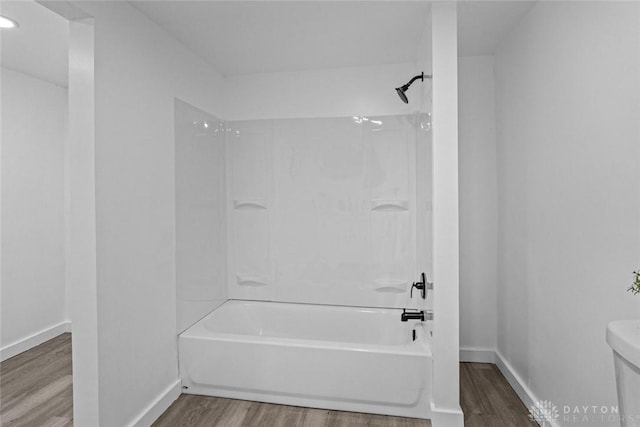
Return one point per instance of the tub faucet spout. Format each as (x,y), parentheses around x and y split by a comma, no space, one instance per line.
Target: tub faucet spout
(412,315)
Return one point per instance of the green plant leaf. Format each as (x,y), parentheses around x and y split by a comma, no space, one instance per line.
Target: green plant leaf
(635,286)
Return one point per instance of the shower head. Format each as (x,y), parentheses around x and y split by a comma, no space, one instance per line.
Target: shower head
(403,89)
(401,94)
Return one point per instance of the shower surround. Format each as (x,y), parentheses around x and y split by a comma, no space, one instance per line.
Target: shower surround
(299,224)
(323,210)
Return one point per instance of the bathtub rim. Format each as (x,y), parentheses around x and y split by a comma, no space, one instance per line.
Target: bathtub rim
(420,347)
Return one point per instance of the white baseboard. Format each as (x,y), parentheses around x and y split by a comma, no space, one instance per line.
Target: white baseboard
(158,406)
(516,382)
(478,355)
(446,417)
(34,340)
(519,386)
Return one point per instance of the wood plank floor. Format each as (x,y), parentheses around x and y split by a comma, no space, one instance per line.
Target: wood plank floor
(488,400)
(202,411)
(36,391)
(36,387)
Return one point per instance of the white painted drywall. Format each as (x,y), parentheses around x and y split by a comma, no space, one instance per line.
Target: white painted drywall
(340,92)
(568,141)
(34,116)
(478,203)
(200,214)
(81,260)
(139,70)
(446,325)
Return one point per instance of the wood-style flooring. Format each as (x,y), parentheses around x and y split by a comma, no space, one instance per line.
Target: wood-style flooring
(36,387)
(488,400)
(36,391)
(201,411)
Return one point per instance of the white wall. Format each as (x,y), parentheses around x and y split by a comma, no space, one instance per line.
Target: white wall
(340,92)
(568,132)
(478,204)
(34,116)
(139,70)
(81,224)
(446,267)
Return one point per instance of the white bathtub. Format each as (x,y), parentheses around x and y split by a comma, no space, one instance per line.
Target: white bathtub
(344,358)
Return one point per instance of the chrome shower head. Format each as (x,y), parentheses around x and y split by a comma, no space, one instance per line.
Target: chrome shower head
(403,89)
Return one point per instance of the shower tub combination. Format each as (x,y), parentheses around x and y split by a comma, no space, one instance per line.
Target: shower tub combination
(332,357)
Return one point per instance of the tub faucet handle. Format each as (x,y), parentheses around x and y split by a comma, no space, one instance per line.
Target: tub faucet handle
(422,286)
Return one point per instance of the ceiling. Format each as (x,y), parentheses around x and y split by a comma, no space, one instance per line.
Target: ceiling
(244,37)
(240,37)
(39,47)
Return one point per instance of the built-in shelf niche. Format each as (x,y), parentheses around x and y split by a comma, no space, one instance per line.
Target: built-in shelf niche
(253,281)
(250,204)
(389,205)
(391,286)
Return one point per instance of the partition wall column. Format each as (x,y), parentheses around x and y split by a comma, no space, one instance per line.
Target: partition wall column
(446,410)
(81,251)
